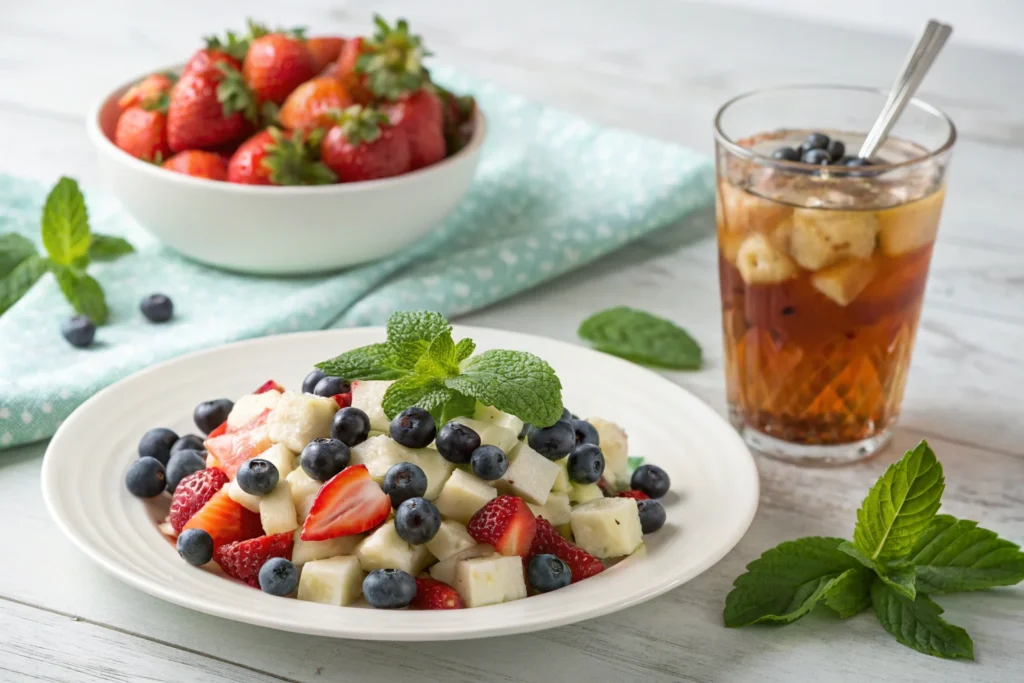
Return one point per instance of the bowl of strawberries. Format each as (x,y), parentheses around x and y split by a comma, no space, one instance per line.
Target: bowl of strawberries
(270,152)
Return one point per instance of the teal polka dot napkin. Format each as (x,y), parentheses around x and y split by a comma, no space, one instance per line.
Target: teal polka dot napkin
(552,193)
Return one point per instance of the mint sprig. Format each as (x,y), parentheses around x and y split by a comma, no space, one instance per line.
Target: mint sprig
(902,552)
(70,246)
(642,338)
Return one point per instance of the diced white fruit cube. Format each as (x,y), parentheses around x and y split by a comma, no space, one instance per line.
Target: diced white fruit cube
(335,581)
(167,529)
(444,571)
(739,210)
(844,281)
(367,395)
(761,262)
(529,475)
(381,453)
(490,580)
(463,494)
(304,489)
(282,457)
(584,493)
(614,445)
(385,549)
(562,483)
(251,405)
(277,511)
(450,539)
(821,238)
(492,434)
(911,226)
(492,415)
(556,510)
(308,551)
(609,527)
(299,418)
(246,500)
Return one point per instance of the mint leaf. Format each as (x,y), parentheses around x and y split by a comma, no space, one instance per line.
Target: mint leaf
(515,382)
(373,362)
(786,582)
(632,462)
(464,349)
(642,338)
(900,506)
(13,250)
(19,280)
(410,333)
(459,405)
(108,247)
(83,293)
(850,594)
(65,223)
(917,624)
(439,359)
(957,555)
(413,390)
(899,575)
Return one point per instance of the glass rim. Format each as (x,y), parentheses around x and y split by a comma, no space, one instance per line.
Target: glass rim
(738,150)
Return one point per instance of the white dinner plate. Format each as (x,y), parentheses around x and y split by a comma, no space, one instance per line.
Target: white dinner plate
(712,502)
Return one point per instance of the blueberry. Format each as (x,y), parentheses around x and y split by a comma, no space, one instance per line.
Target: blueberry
(146,478)
(329,386)
(652,515)
(324,458)
(567,415)
(586,464)
(818,157)
(856,161)
(189,442)
(258,477)
(489,463)
(554,442)
(389,588)
(209,415)
(309,384)
(350,426)
(417,520)
(836,149)
(79,331)
(156,443)
(585,432)
(157,308)
(404,481)
(786,154)
(815,141)
(456,442)
(547,573)
(278,576)
(413,428)
(650,479)
(182,464)
(195,547)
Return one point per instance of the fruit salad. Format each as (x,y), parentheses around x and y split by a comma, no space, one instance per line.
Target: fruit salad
(275,107)
(358,489)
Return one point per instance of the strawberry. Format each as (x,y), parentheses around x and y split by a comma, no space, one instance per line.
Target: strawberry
(275,65)
(198,164)
(351,502)
(143,134)
(634,494)
(385,66)
(324,50)
(343,400)
(209,107)
(274,157)
(506,523)
(148,91)
(235,447)
(421,117)
(225,520)
(208,58)
(432,594)
(192,493)
(242,560)
(269,385)
(309,104)
(363,147)
(582,564)
(219,431)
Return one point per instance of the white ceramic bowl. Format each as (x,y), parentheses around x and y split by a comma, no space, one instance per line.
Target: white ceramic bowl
(281,230)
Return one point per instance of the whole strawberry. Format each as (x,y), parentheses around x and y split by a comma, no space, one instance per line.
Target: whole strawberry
(275,65)
(324,50)
(420,116)
(149,92)
(310,105)
(209,107)
(275,157)
(387,65)
(198,164)
(362,146)
(143,134)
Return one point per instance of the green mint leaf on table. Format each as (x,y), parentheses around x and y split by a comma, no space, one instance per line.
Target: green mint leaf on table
(83,292)
(900,506)
(957,555)
(464,349)
(642,338)
(515,382)
(373,362)
(917,623)
(899,575)
(65,224)
(850,594)
(13,250)
(19,280)
(786,582)
(108,247)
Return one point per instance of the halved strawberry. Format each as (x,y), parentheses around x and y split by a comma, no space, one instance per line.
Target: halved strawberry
(506,523)
(192,493)
(343,400)
(634,494)
(225,520)
(269,385)
(351,502)
(233,448)
(242,560)
(432,594)
(548,540)
(219,431)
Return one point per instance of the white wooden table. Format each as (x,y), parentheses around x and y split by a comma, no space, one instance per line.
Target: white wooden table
(657,66)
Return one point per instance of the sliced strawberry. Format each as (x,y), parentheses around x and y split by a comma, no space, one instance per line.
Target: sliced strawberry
(235,447)
(242,560)
(548,540)
(343,400)
(432,594)
(219,431)
(192,493)
(506,523)
(269,385)
(349,503)
(225,520)
(634,494)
